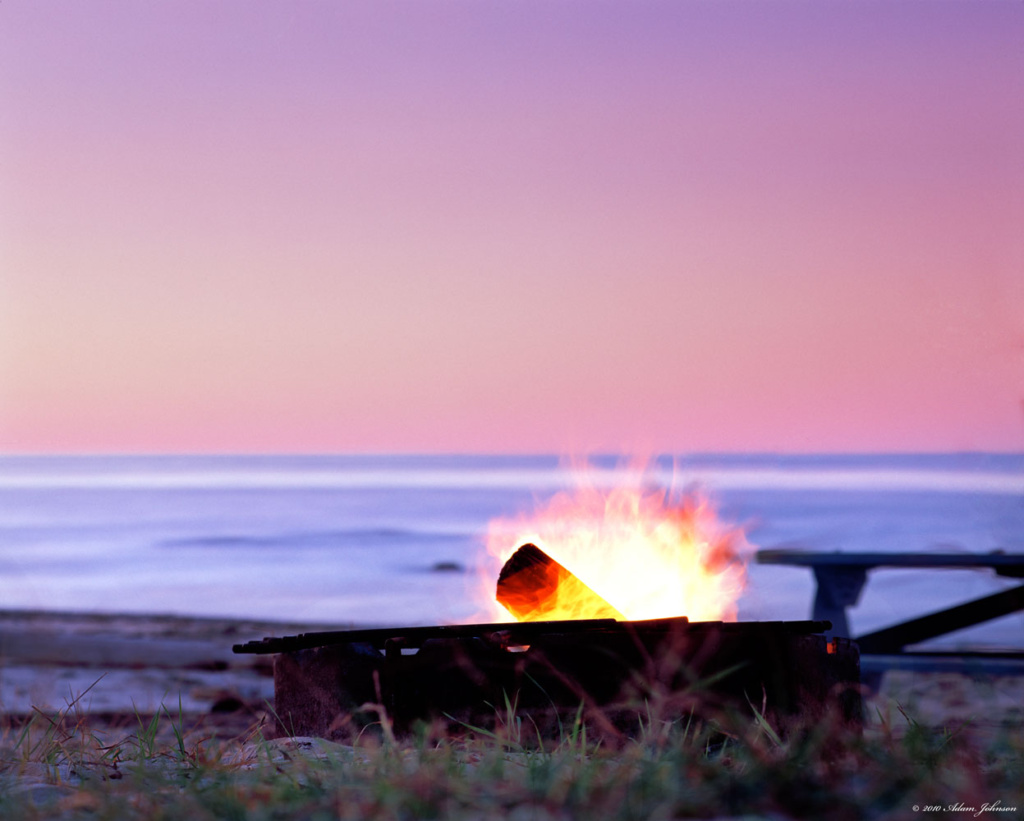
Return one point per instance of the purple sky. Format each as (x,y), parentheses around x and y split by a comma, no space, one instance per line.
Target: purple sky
(528,226)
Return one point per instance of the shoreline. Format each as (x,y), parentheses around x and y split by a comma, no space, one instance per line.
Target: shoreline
(115,667)
(154,625)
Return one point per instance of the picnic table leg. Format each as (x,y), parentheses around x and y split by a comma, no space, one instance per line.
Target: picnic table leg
(894,639)
(839,587)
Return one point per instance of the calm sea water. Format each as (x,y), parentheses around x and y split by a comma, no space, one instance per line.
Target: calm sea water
(359,539)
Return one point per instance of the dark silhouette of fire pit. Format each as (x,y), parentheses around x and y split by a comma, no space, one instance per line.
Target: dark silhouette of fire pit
(332,684)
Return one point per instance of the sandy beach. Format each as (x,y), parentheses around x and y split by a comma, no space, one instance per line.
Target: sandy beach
(95,683)
(109,669)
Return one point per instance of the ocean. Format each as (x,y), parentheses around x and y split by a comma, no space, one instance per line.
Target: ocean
(399,539)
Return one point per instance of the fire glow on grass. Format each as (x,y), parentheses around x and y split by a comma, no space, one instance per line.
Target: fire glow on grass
(648,552)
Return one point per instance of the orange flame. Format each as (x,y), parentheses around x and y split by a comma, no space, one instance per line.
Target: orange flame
(647,552)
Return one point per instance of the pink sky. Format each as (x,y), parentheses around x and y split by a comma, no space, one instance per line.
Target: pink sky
(529,226)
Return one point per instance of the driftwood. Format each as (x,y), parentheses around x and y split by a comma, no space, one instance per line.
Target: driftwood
(534,587)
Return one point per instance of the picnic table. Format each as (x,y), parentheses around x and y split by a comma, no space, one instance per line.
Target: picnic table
(841,578)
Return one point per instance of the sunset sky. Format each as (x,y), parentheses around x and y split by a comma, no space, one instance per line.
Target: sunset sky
(511,226)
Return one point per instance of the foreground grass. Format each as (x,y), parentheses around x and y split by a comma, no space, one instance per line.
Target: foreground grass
(736,765)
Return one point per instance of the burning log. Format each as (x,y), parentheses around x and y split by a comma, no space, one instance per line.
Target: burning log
(534,587)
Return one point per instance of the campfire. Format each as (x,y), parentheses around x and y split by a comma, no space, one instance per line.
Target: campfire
(606,602)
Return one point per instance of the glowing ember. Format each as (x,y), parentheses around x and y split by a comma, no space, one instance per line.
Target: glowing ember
(646,552)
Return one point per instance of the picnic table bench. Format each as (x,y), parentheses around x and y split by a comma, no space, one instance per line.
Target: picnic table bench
(841,577)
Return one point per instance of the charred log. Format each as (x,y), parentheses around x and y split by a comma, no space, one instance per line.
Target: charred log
(534,587)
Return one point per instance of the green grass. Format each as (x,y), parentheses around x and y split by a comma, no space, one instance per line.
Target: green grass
(56,766)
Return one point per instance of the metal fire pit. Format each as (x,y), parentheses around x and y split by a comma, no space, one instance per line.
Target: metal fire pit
(463,674)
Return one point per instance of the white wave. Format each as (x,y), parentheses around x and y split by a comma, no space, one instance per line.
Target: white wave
(938,481)
(525,479)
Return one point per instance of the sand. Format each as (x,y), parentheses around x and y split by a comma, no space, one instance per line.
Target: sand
(114,669)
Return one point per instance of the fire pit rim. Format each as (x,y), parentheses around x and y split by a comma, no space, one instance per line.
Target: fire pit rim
(515,631)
